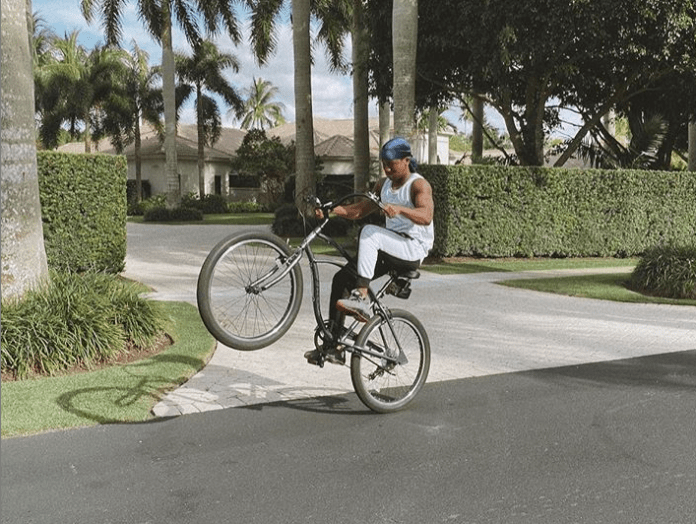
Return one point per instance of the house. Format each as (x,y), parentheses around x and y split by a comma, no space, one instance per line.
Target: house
(333,141)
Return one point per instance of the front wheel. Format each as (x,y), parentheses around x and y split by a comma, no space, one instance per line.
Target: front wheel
(233,308)
(384,385)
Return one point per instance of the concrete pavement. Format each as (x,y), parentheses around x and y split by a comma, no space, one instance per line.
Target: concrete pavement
(476,328)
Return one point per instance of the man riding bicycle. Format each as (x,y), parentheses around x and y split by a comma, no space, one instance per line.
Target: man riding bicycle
(408,206)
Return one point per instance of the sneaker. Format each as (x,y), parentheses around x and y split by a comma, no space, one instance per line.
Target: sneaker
(335,356)
(314,357)
(355,305)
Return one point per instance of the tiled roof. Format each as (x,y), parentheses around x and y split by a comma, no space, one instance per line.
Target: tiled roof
(325,129)
(337,146)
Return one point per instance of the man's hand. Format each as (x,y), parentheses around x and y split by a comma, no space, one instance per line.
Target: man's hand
(390,210)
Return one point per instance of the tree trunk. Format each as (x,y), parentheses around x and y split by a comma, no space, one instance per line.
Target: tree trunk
(404,44)
(23,255)
(138,164)
(384,123)
(692,145)
(305,182)
(361,129)
(477,130)
(434,120)
(200,131)
(169,96)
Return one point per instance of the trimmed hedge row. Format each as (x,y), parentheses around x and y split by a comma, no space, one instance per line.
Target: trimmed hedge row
(500,211)
(83,205)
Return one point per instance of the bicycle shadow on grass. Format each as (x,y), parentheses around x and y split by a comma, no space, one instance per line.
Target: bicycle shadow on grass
(132,392)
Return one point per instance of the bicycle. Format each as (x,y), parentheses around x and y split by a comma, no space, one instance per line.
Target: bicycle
(249,293)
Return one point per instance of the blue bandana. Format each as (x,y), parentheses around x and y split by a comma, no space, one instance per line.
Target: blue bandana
(396,149)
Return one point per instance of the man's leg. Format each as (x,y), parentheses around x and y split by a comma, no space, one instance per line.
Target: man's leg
(373,241)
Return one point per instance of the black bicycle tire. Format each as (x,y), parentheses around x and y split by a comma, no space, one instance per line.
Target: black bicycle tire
(207,308)
(357,362)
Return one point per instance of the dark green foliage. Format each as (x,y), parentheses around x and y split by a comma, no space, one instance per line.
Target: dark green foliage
(288,222)
(667,272)
(208,205)
(245,207)
(76,320)
(83,205)
(178,214)
(498,211)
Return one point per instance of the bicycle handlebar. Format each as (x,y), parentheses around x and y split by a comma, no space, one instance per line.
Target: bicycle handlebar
(331,205)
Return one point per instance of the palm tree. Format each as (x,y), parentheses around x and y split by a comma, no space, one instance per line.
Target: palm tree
(305,179)
(259,108)
(361,131)
(133,98)
(157,16)
(692,145)
(202,73)
(404,43)
(23,255)
(64,91)
(70,84)
(334,17)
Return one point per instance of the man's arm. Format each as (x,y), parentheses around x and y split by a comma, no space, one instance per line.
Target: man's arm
(359,209)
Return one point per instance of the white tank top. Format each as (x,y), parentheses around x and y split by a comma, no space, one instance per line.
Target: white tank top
(402,197)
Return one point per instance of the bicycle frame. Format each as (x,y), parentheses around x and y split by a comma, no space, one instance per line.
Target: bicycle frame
(286,265)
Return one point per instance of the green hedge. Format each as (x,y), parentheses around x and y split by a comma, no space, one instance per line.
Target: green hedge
(83,204)
(499,211)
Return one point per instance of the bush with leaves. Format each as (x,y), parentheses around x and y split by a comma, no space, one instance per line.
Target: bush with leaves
(177,214)
(667,272)
(208,205)
(77,320)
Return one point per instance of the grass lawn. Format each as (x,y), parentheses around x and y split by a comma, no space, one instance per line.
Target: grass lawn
(611,286)
(116,394)
(457,265)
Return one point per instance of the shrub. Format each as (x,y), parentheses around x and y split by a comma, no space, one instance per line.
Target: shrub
(178,214)
(207,205)
(667,272)
(500,211)
(83,205)
(245,207)
(157,201)
(288,223)
(76,320)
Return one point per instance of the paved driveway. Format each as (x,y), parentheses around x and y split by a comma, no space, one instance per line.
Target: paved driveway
(476,327)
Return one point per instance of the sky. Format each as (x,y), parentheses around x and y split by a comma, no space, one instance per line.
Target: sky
(332,93)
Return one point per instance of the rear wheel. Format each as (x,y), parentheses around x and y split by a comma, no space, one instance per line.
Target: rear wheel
(235,312)
(387,385)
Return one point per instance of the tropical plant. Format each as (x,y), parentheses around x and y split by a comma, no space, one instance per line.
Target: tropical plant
(603,150)
(335,19)
(134,97)
(260,109)
(202,72)
(158,17)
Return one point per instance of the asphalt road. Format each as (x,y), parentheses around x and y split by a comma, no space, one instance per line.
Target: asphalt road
(599,443)
(541,410)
